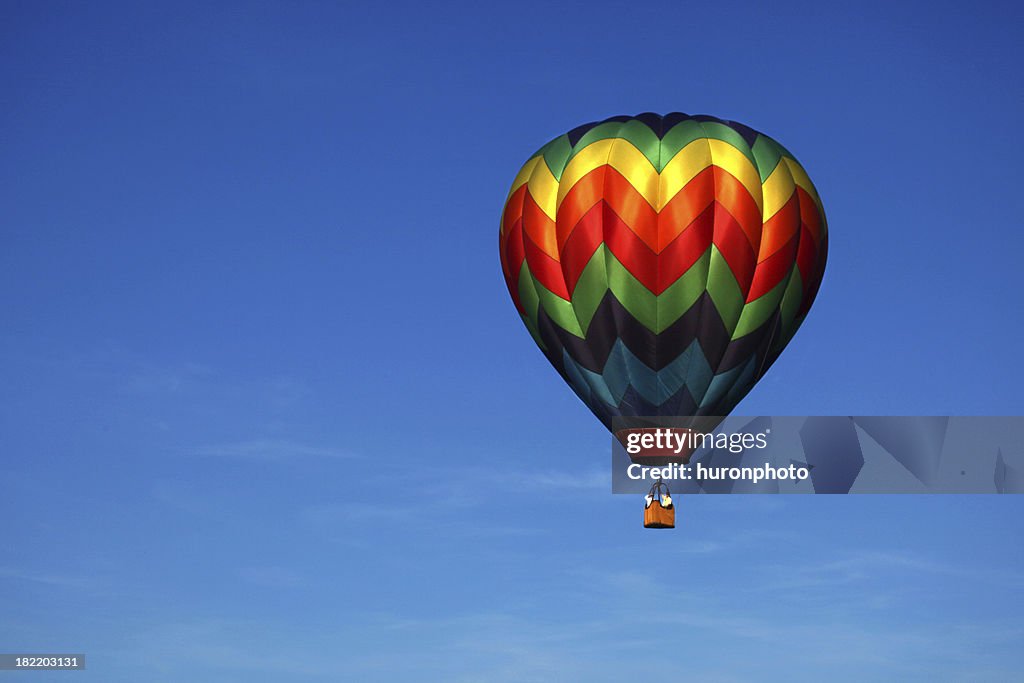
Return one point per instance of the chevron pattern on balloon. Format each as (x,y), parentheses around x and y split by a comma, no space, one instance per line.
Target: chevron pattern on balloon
(662,263)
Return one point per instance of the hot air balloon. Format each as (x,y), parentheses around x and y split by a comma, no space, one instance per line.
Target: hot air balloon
(662,263)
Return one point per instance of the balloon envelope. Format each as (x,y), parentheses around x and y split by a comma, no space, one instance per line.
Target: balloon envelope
(662,263)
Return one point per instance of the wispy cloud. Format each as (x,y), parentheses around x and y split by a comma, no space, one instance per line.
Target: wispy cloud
(272,577)
(467,482)
(611,622)
(870,565)
(422,515)
(45,578)
(147,378)
(590,480)
(270,449)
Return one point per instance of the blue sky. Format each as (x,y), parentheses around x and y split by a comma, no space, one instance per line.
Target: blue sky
(269,415)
